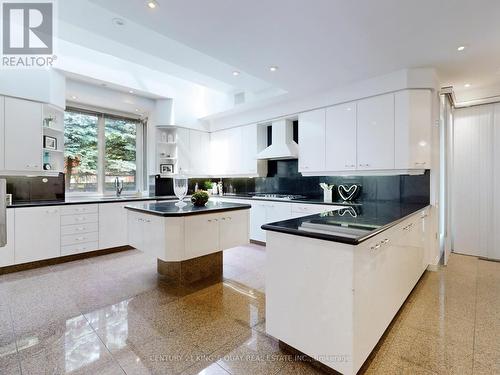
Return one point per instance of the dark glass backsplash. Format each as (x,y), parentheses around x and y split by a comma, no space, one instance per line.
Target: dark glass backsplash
(35,188)
(284,178)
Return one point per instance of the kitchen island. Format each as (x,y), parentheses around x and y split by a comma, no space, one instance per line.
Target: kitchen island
(188,241)
(335,281)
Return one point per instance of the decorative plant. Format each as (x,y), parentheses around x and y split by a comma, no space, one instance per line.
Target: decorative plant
(207,185)
(200,198)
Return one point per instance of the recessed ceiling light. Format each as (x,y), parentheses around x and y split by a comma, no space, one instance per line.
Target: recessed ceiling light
(236,73)
(152,4)
(460,48)
(137,109)
(467,85)
(130,91)
(273,68)
(118,21)
(74,97)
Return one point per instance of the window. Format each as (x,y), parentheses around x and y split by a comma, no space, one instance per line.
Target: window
(100,147)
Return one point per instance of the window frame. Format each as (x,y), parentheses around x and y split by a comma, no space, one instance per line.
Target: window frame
(140,144)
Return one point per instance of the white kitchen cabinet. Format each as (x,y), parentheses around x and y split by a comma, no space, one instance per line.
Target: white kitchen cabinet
(2,132)
(146,233)
(312,141)
(183,154)
(7,253)
(375,133)
(219,152)
(199,144)
(202,235)
(37,233)
(23,135)
(413,128)
(258,217)
(251,145)
(341,153)
(300,210)
(233,228)
(234,162)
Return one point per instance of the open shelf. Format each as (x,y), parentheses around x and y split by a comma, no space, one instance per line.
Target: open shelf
(50,150)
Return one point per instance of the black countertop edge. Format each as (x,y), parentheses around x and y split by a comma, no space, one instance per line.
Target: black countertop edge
(189,210)
(303,201)
(273,227)
(74,200)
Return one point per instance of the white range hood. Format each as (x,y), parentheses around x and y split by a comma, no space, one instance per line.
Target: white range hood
(282,146)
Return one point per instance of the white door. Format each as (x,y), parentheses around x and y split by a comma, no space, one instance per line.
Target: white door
(7,253)
(2,132)
(37,233)
(23,135)
(257,219)
(413,127)
(201,235)
(113,225)
(183,154)
(219,152)
(234,151)
(473,181)
(249,149)
(312,141)
(233,229)
(199,146)
(341,137)
(375,138)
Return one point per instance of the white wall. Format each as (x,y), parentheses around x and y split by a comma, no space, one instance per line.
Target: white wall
(286,106)
(41,85)
(190,101)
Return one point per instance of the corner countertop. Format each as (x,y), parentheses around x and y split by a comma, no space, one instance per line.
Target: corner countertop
(352,224)
(169,209)
(89,200)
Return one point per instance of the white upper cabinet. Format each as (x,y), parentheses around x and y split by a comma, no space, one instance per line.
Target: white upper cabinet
(199,144)
(219,152)
(375,134)
(312,141)
(234,157)
(2,131)
(183,154)
(341,137)
(249,149)
(23,135)
(413,114)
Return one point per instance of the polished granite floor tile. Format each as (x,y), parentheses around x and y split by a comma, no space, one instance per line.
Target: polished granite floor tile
(114,314)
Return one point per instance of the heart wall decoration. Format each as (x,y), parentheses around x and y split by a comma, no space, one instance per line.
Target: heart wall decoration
(349,193)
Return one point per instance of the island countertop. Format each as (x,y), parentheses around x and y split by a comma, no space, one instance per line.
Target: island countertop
(169,209)
(352,224)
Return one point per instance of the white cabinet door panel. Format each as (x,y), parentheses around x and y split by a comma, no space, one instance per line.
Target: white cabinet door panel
(23,135)
(79,209)
(79,248)
(219,152)
(375,134)
(201,235)
(113,225)
(7,253)
(37,233)
(312,141)
(257,219)
(79,219)
(233,226)
(341,137)
(183,154)
(249,149)
(413,127)
(199,143)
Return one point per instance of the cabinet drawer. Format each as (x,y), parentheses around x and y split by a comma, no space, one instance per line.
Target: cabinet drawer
(79,229)
(74,239)
(79,219)
(79,209)
(79,248)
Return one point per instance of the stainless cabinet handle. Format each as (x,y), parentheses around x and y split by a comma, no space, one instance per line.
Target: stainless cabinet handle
(386,240)
(420,163)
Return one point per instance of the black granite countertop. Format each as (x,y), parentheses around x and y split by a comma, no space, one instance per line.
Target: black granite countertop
(352,224)
(169,209)
(312,200)
(89,200)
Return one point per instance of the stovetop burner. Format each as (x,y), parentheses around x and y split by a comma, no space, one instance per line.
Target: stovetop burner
(285,197)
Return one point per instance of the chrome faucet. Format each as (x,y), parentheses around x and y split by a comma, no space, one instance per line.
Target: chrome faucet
(118,186)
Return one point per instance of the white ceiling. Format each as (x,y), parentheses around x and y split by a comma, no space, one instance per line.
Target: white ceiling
(317,44)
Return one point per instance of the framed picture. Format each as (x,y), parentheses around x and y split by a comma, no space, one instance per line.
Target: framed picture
(49,143)
(166,168)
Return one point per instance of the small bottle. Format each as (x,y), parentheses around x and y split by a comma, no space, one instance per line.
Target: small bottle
(196,187)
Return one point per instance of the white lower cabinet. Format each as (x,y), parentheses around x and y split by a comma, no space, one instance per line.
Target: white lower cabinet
(233,227)
(113,224)
(37,233)
(202,234)
(7,253)
(79,229)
